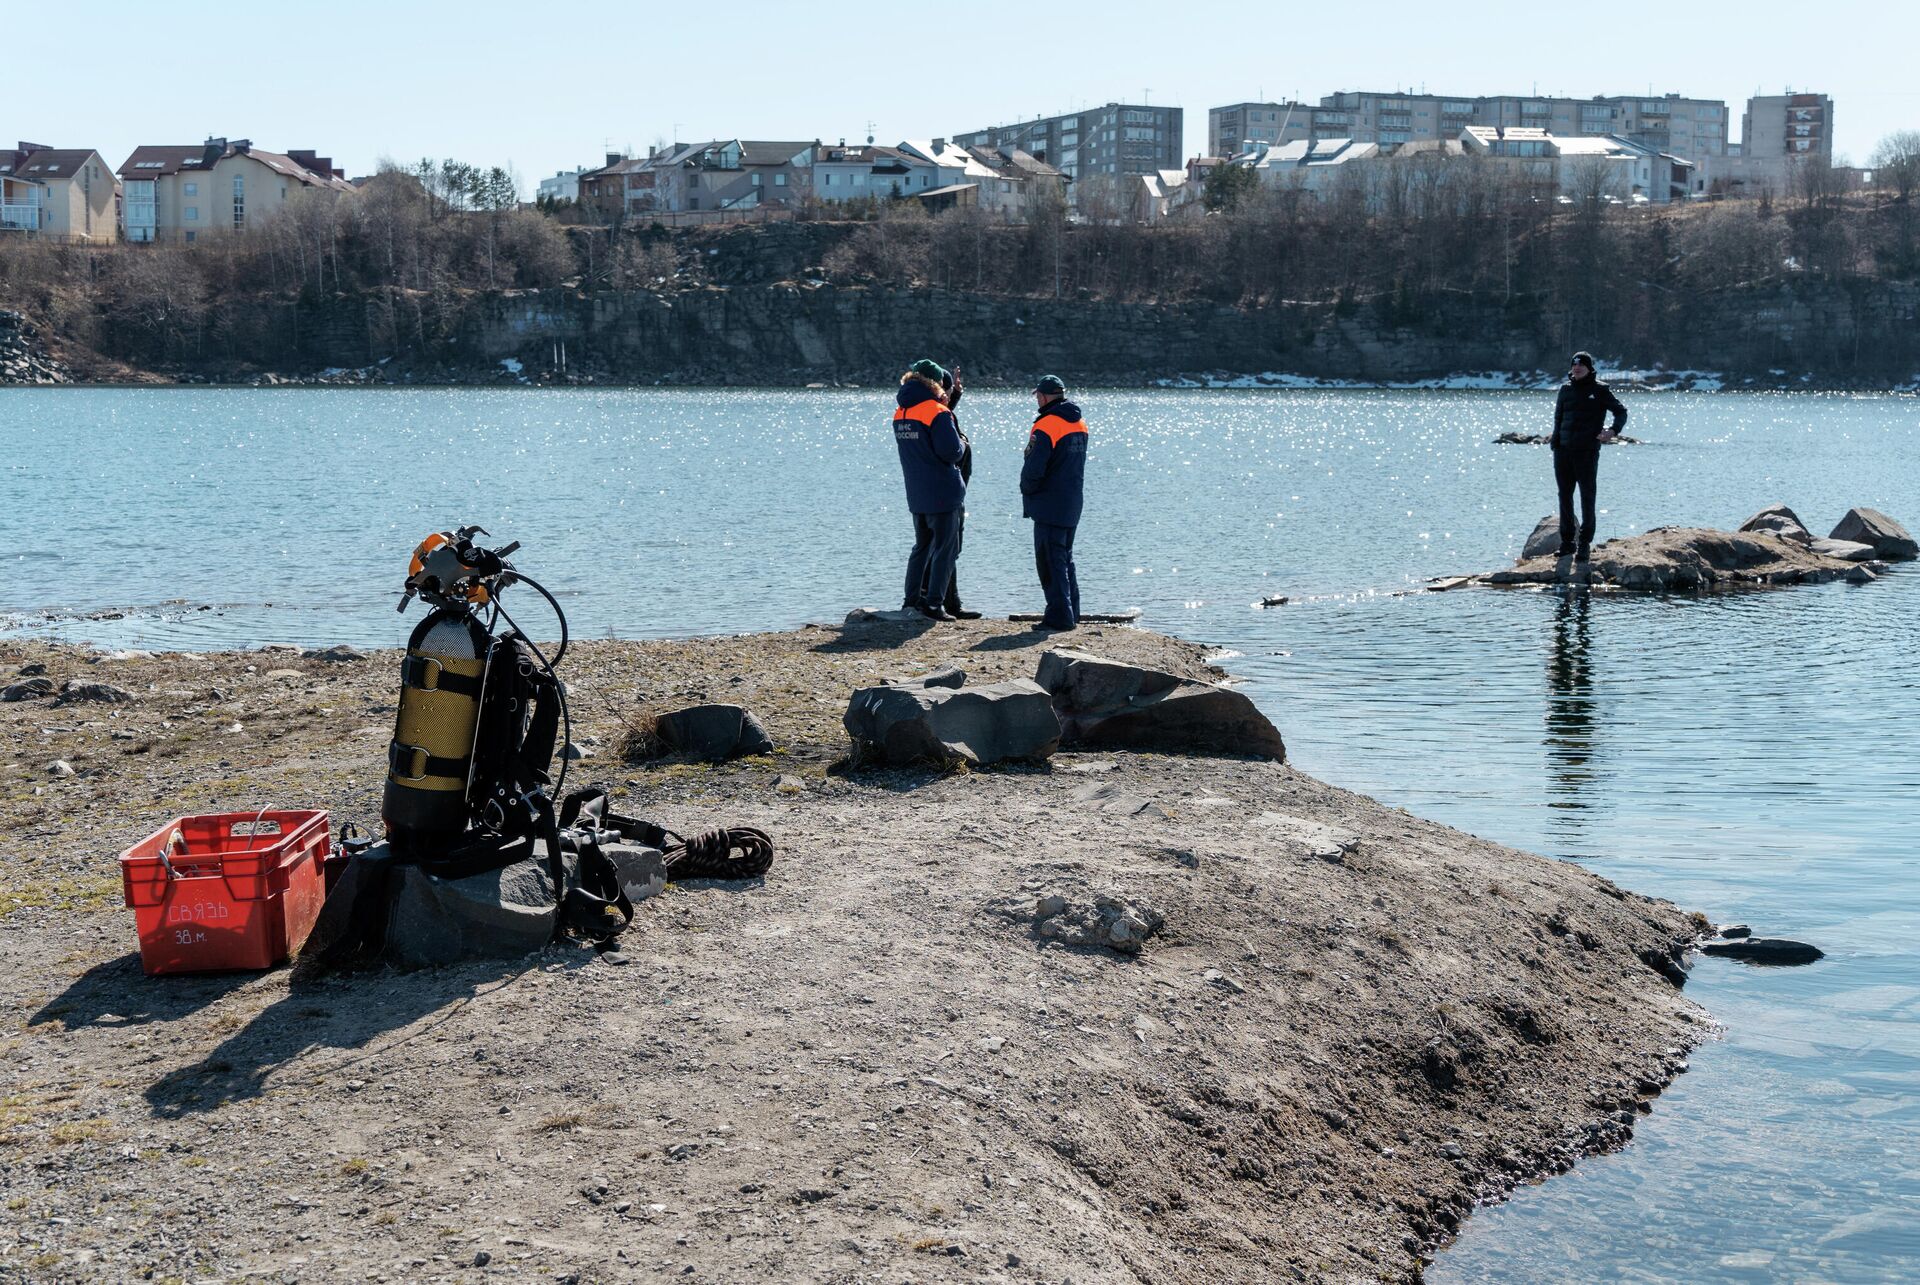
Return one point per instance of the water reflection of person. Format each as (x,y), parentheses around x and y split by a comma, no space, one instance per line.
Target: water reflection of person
(1570,705)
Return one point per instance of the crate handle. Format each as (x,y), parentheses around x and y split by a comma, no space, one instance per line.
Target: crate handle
(175,837)
(253,827)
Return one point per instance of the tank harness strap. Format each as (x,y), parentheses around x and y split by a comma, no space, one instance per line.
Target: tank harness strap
(412,763)
(424,673)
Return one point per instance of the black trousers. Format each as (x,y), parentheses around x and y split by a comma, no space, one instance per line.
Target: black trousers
(1053,559)
(1576,467)
(936,544)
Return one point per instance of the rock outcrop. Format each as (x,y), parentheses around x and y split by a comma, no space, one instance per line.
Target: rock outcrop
(1778,519)
(926,723)
(1689,560)
(1105,704)
(23,359)
(1872,527)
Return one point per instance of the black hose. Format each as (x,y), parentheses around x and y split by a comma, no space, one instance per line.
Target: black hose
(559,615)
(559,688)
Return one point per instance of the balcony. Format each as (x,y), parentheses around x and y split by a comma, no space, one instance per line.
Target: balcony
(23,216)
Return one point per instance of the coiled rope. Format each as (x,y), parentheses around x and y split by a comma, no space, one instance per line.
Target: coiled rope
(738,853)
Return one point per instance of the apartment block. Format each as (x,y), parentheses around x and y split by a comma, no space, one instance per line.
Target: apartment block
(1689,127)
(179,194)
(63,193)
(1119,139)
(1778,133)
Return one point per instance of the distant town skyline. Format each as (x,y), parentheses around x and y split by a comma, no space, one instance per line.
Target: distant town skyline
(483,82)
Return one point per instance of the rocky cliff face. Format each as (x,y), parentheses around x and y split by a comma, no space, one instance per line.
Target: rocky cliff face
(796,332)
(23,359)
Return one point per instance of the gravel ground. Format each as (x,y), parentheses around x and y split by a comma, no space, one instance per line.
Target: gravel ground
(871,1065)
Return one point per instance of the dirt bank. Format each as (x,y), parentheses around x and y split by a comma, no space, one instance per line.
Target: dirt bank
(866,1066)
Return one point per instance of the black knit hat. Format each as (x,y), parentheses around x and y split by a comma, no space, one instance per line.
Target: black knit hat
(1050,384)
(1584,358)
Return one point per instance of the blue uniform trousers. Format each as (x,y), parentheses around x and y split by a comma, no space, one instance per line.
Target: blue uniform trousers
(1053,558)
(936,546)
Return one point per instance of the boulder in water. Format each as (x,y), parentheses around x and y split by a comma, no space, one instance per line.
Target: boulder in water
(1545,540)
(1872,527)
(1845,550)
(1764,950)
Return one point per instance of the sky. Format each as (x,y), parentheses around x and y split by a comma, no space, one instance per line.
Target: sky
(547,87)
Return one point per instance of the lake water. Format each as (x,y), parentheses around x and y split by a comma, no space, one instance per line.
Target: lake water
(1751,757)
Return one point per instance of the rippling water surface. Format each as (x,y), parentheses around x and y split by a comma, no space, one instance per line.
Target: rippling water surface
(1751,757)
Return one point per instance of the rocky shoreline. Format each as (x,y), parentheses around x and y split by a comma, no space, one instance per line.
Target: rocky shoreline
(912,1050)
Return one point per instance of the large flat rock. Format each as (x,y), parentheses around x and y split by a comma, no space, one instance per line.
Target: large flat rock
(1688,560)
(1108,704)
(991,723)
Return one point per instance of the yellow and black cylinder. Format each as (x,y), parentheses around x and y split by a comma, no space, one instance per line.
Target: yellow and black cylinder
(431,756)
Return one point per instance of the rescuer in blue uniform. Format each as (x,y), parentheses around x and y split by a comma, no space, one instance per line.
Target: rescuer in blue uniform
(931,449)
(1052,484)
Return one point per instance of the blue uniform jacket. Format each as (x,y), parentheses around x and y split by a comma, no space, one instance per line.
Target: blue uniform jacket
(929,452)
(1053,478)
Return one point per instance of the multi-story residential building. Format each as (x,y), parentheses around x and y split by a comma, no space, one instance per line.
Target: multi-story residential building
(1779,134)
(563,186)
(842,173)
(1236,128)
(178,194)
(64,193)
(1120,139)
(1303,164)
(725,174)
(1585,166)
(1691,127)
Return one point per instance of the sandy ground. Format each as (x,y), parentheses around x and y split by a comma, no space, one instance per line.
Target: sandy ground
(867,1066)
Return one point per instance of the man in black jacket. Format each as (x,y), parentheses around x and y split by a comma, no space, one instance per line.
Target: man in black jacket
(1580,427)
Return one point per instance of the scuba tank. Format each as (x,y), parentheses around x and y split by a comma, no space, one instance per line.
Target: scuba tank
(430,761)
(451,762)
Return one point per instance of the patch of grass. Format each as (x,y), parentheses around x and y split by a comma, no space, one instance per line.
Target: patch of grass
(564,1123)
(72,1132)
(64,893)
(926,1244)
(196,1162)
(638,740)
(44,1261)
(354,1168)
(385,1218)
(17,1204)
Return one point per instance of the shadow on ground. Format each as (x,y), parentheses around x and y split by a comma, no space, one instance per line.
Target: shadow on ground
(872,636)
(345,1012)
(117,993)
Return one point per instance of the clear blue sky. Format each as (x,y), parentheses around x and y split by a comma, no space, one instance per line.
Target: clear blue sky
(549,86)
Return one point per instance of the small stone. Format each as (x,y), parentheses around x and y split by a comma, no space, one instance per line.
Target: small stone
(60,768)
(354,1086)
(1452,1151)
(1049,906)
(31,689)
(574,753)
(338,654)
(615,958)
(481,1258)
(1274,600)
(1731,932)
(1223,981)
(789,784)
(283,674)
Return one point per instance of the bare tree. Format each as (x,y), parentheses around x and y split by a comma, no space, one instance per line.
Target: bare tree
(1896,163)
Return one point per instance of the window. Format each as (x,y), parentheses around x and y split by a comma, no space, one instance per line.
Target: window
(193,214)
(191,234)
(780,179)
(239,200)
(190,189)
(756,179)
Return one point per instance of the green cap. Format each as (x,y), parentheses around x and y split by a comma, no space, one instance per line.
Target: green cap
(1050,384)
(927,368)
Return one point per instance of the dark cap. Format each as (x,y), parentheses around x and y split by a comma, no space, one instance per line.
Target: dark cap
(927,368)
(1050,384)
(1583,358)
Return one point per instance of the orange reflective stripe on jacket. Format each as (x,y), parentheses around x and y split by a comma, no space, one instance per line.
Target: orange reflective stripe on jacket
(922,413)
(1056,428)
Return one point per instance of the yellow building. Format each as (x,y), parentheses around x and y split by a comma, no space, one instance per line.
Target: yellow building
(66,193)
(179,194)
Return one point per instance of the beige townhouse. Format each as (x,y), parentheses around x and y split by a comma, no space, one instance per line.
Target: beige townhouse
(66,193)
(179,194)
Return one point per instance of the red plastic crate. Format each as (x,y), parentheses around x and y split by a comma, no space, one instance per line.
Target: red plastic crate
(229,891)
